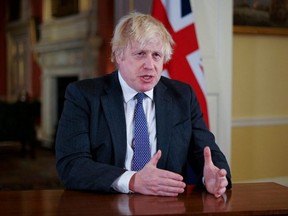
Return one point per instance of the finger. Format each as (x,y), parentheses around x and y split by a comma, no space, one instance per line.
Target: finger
(207,156)
(174,181)
(156,157)
(168,194)
(175,187)
(220,192)
(170,190)
(221,173)
(221,177)
(221,182)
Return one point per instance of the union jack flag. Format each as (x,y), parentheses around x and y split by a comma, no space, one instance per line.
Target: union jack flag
(186,63)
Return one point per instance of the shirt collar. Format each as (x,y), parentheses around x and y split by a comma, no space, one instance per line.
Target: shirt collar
(129,92)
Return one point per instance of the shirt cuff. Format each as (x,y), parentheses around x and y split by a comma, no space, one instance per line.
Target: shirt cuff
(121,184)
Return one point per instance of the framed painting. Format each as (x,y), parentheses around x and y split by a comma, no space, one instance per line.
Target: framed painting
(260,17)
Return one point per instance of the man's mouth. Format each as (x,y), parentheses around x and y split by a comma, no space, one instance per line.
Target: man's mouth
(147,77)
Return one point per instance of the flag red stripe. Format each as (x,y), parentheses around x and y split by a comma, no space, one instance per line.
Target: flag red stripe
(179,68)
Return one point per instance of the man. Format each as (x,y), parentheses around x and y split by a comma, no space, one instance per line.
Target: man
(95,142)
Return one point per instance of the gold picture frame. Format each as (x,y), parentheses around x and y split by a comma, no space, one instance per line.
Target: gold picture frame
(269,17)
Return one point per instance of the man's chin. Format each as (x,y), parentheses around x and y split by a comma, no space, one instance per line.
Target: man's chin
(145,88)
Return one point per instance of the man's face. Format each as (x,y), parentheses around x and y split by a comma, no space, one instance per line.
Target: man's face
(141,67)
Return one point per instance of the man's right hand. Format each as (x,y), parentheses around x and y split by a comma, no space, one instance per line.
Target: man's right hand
(153,181)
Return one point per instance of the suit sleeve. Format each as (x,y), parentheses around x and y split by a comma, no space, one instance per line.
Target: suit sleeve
(74,163)
(201,137)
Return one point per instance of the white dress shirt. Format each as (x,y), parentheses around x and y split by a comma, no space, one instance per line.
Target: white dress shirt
(121,184)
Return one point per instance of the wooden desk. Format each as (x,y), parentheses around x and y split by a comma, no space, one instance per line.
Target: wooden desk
(243,199)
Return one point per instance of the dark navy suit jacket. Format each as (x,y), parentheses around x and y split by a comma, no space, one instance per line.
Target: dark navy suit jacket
(91,136)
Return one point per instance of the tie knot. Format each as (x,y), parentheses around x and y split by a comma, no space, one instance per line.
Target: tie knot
(140,97)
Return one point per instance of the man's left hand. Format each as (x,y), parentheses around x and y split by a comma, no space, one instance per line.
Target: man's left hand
(215,178)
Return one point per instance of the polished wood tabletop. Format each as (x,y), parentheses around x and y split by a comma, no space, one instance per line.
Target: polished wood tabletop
(243,199)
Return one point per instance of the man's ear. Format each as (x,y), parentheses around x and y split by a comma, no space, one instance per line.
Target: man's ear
(119,56)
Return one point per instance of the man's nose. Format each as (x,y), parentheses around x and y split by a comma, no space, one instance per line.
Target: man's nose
(148,64)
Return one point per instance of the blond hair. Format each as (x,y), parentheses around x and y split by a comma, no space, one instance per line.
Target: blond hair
(141,28)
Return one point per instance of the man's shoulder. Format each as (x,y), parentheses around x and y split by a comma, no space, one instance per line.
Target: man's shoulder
(97,82)
(174,84)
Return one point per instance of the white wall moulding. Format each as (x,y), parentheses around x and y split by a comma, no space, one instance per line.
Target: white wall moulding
(259,121)
(68,48)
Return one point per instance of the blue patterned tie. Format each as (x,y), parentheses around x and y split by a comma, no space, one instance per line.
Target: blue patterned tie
(141,146)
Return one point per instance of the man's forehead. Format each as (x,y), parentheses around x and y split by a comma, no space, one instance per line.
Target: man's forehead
(153,45)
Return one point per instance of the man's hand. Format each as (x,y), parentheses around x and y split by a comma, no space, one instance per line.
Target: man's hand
(215,178)
(153,181)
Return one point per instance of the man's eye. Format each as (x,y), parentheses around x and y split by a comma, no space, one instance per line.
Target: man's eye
(157,55)
(141,54)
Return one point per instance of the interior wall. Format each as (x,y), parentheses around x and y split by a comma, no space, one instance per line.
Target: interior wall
(260,108)
(36,14)
(3,63)
(30,10)
(105,15)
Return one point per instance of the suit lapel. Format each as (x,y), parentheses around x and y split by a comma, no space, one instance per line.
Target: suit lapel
(163,103)
(114,112)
